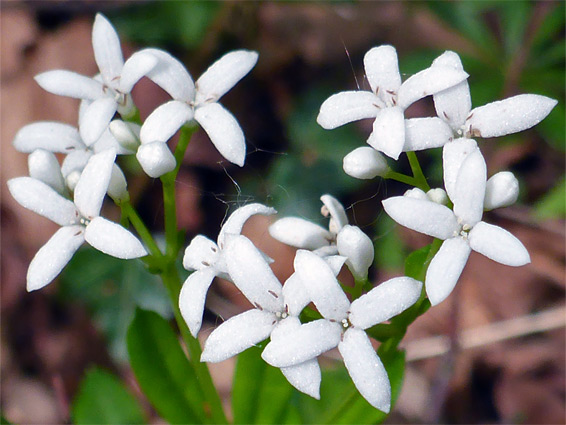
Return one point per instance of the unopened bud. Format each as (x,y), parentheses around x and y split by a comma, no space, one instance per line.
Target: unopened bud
(365,163)
(156,159)
(501,190)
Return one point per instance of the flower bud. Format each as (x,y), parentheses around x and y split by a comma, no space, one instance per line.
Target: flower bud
(365,163)
(127,134)
(501,190)
(438,195)
(156,159)
(43,165)
(118,188)
(72,179)
(416,193)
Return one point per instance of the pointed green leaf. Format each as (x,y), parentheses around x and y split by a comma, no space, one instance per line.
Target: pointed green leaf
(163,371)
(103,399)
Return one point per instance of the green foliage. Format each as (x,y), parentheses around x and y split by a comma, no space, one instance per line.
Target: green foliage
(103,399)
(389,249)
(165,23)
(112,289)
(260,393)
(553,204)
(163,371)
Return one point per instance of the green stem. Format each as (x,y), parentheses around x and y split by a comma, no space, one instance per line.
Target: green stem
(129,213)
(403,178)
(169,206)
(418,175)
(214,409)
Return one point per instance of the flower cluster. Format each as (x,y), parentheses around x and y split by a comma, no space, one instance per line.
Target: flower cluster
(71,194)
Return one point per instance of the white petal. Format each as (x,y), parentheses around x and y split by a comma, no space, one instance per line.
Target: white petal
(113,239)
(300,233)
(429,81)
(388,134)
(171,76)
(357,247)
(423,216)
(53,256)
(238,218)
(416,193)
(438,195)
(321,285)
(252,275)
(453,154)
(108,141)
(125,136)
(338,217)
(498,244)
(502,190)
(445,269)
(51,136)
(365,163)
(385,301)
(71,84)
(224,132)
(75,161)
(453,104)
(336,262)
(382,68)
(510,115)
(201,254)
(306,343)
(193,296)
(107,50)
(365,369)
(156,159)
(164,121)
(305,376)
(425,133)
(137,66)
(345,107)
(96,119)
(470,189)
(41,199)
(223,74)
(237,334)
(295,295)
(43,165)
(93,184)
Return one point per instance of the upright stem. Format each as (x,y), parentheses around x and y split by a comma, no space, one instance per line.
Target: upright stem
(131,214)
(420,178)
(214,410)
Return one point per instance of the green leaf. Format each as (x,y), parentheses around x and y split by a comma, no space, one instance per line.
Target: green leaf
(111,289)
(553,204)
(415,263)
(103,399)
(3,420)
(163,371)
(389,249)
(260,393)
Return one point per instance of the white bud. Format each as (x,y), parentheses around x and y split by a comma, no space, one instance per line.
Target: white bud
(365,163)
(501,190)
(156,159)
(118,188)
(43,165)
(438,195)
(127,134)
(72,179)
(357,247)
(416,193)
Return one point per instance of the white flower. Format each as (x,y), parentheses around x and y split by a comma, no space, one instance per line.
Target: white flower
(199,101)
(208,259)
(80,220)
(276,313)
(387,101)
(343,326)
(462,229)
(63,138)
(454,107)
(340,238)
(107,93)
